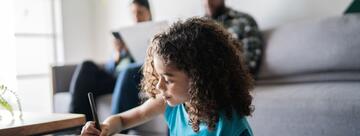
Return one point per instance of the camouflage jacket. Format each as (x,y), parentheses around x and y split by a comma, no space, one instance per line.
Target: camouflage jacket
(244,28)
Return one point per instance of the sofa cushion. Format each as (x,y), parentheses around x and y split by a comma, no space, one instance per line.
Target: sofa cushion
(62,104)
(317,46)
(314,77)
(303,109)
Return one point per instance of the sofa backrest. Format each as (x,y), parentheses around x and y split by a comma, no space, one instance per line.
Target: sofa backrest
(315,50)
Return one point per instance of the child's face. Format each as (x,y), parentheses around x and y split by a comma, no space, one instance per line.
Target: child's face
(173,84)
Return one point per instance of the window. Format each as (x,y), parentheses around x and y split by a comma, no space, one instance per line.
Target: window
(36,41)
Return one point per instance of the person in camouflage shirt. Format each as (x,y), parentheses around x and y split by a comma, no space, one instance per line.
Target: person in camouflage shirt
(242,26)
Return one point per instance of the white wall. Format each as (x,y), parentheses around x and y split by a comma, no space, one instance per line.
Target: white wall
(78,28)
(173,10)
(271,13)
(87,23)
(110,14)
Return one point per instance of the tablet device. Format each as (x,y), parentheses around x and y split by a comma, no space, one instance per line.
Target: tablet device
(137,37)
(93,111)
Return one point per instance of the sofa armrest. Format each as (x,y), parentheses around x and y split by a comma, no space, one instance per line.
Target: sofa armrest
(61,76)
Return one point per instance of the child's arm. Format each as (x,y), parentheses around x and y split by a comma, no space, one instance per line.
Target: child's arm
(136,116)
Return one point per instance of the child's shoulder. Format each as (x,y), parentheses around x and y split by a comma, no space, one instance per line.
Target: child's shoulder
(240,122)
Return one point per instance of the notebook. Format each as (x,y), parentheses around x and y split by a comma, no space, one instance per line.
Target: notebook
(137,37)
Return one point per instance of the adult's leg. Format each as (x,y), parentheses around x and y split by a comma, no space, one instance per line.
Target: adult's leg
(88,77)
(126,92)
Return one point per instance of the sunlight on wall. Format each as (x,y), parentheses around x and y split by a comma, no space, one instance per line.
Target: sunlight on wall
(7,48)
(7,53)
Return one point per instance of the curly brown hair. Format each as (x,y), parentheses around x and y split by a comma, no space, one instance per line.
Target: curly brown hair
(213,60)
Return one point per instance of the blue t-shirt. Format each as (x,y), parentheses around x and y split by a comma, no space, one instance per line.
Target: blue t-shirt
(178,122)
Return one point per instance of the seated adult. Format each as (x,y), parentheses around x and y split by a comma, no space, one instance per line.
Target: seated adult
(126,91)
(242,26)
(89,77)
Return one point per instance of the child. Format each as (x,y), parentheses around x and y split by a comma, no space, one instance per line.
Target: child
(195,76)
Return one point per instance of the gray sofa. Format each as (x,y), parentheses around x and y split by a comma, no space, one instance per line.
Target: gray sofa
(309,81)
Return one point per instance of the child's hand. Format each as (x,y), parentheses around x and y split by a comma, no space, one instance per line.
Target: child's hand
(90,130)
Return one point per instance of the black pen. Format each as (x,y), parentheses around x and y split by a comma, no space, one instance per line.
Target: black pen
(93,110)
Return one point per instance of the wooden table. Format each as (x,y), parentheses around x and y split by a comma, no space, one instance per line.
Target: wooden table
(39,123)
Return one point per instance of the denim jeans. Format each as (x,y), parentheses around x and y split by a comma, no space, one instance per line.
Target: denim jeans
(127,87)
